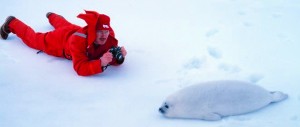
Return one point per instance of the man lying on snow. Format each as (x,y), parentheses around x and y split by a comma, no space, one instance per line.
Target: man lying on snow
(91,48)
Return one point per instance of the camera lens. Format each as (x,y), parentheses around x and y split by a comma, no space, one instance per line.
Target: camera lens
(117,54)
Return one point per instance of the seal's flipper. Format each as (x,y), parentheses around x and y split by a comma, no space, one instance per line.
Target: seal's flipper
(212,116)
(278,96)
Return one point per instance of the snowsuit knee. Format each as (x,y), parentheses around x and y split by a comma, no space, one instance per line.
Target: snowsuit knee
(51,42)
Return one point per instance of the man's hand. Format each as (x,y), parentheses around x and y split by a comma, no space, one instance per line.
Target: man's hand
(106,58)
(123,51)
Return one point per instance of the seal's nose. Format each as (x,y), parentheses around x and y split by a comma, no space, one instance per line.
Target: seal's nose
(161,110)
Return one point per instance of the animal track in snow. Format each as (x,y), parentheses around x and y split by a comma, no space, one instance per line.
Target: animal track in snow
(255,78)
(229,68)
(194,63)
(214,52)
(212,32)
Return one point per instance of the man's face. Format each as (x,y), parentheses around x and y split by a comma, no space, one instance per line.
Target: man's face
(101,37)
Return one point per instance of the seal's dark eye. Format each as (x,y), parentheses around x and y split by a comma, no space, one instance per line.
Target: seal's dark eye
(166,106)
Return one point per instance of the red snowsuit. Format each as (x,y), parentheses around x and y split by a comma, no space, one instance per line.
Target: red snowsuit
(69,41)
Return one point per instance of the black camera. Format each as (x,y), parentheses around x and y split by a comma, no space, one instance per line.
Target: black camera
(117,54)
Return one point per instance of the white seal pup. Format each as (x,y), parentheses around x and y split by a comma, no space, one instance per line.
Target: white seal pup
(216,99)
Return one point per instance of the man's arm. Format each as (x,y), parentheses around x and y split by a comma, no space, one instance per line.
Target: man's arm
(81,64)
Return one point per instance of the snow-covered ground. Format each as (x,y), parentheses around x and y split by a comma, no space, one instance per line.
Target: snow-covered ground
(171,45)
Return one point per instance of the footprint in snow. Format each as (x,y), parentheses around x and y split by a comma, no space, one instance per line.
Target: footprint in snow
(254,78)
(214,52)
(247,24)
(276,15)
(212,32)
(229,68)
(194,63)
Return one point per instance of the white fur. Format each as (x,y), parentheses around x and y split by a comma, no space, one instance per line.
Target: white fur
(216,99)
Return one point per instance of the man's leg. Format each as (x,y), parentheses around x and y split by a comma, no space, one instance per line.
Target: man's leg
(27,34)
(57,20)
(51,42)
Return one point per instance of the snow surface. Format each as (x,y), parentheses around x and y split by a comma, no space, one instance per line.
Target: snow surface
(171,45)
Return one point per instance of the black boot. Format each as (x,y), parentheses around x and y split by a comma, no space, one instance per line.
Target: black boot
(48,14)
(5,29)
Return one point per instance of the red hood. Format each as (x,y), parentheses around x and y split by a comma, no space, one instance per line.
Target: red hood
(92,19)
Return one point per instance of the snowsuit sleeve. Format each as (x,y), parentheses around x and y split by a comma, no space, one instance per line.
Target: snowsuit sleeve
(81,64)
